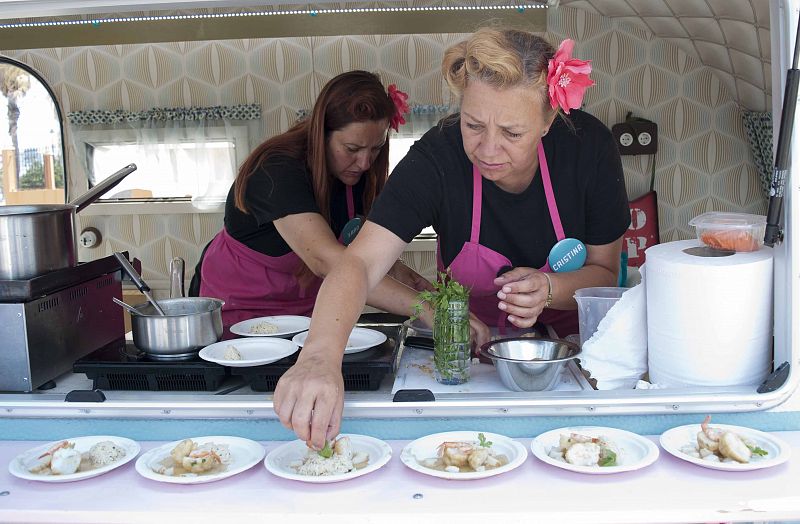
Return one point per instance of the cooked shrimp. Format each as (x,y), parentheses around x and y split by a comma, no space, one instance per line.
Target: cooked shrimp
(65,461)
(183,449)
(709,437)
(199,461)
(733,447)
(343,447)
(478,458)
(455,453)
(565,441)
(61,445)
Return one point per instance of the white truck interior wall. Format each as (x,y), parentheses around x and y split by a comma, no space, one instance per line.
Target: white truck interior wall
(704,161)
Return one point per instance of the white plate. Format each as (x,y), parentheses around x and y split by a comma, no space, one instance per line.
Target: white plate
(360,339)
(778,451)
(279,459)
(635,451)
(287,325)
(245,454)
(254,351)
(82,444)
(426,448)
(419,327)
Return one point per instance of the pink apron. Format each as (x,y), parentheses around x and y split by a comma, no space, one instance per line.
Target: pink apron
(253,284)
(476,266)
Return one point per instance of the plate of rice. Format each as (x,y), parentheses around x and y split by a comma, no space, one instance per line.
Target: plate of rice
(74,459)
(347,457)
(360,339)
(198,460)
(276,326)
(247,352)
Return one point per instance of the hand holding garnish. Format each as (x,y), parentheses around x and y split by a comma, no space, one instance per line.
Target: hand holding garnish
(326,451)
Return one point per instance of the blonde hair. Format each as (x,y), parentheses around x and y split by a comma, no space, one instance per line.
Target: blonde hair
(502,58)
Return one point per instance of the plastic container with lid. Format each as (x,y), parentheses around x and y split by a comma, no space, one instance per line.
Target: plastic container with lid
(738,232)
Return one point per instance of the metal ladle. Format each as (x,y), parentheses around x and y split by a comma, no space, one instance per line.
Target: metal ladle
(132,310)
(137,279)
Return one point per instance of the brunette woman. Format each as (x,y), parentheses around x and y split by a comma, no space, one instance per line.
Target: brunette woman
(295,196)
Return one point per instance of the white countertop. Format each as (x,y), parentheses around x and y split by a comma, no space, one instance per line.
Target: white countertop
(670,490)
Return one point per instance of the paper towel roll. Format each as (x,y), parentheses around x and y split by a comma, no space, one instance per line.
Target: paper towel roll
(709,319)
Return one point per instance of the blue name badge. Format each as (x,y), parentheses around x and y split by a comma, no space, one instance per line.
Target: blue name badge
(567,255)
(351,229)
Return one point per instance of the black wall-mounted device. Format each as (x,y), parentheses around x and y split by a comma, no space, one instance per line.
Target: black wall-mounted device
(636,136)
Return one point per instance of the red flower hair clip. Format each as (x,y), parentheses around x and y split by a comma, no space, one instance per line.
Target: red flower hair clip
(400,107)
(567,78)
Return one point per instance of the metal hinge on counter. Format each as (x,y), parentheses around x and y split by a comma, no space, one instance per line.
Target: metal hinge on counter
(85,395)
(414,395)
(775,380)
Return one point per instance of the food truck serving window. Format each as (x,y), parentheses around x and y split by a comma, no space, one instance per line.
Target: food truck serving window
(190,165)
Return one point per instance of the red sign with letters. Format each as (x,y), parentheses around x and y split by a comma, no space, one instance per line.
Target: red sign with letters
(643,231)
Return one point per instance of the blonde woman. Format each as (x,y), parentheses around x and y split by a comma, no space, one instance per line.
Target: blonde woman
(516,171)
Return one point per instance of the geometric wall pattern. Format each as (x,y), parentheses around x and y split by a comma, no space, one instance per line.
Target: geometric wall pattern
(703,163)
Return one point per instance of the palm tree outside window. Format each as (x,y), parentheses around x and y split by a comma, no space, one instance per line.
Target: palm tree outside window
(31,138)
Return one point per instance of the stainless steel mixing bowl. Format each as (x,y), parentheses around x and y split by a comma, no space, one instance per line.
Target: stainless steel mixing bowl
(529,364)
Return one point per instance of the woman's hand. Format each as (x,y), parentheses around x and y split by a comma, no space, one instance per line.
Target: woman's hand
(523,295)
(479,332)
(309,398)
(405,275)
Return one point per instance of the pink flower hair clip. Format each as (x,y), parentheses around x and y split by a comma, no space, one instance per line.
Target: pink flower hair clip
(400,107)
(567,78)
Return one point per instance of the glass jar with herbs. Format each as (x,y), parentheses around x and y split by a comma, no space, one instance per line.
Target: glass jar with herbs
(451,334)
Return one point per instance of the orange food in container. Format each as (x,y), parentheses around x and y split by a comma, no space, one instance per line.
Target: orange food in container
(739,232)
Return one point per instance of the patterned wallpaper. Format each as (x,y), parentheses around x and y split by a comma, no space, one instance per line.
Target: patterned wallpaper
(704,162)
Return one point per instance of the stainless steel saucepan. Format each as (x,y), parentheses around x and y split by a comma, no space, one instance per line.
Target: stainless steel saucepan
(188,324)
(37,239)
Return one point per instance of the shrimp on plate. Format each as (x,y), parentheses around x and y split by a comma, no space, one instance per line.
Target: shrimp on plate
(455,453)
(583,450)
(59,452)
(455,457)
(716,444)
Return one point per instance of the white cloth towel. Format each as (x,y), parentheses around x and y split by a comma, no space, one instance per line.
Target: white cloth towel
(616,355)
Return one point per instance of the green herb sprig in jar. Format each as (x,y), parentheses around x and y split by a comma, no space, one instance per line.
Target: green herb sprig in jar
(451,333)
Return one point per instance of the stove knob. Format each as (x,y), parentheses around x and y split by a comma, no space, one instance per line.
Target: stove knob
(90,238)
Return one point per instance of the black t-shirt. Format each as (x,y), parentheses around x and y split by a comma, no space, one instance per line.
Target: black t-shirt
(432,186)
(280,188)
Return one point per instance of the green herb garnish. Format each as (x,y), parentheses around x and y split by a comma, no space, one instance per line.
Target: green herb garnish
(451,332)
(483,442)
(445,290)
(326,451)
(607,458)
(757,451)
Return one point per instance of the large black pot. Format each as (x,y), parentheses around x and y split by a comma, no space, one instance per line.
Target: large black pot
(37,239)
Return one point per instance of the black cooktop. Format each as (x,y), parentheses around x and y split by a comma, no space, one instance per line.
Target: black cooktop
(32,288)
(362,371)
(120,365)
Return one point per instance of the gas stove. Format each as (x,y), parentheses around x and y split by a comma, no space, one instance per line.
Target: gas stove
(48,321)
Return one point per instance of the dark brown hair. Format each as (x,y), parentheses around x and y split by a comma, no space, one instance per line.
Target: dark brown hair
(355,96)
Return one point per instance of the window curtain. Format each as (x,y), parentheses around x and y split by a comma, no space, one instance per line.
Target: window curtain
(183,153)
(759,133)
